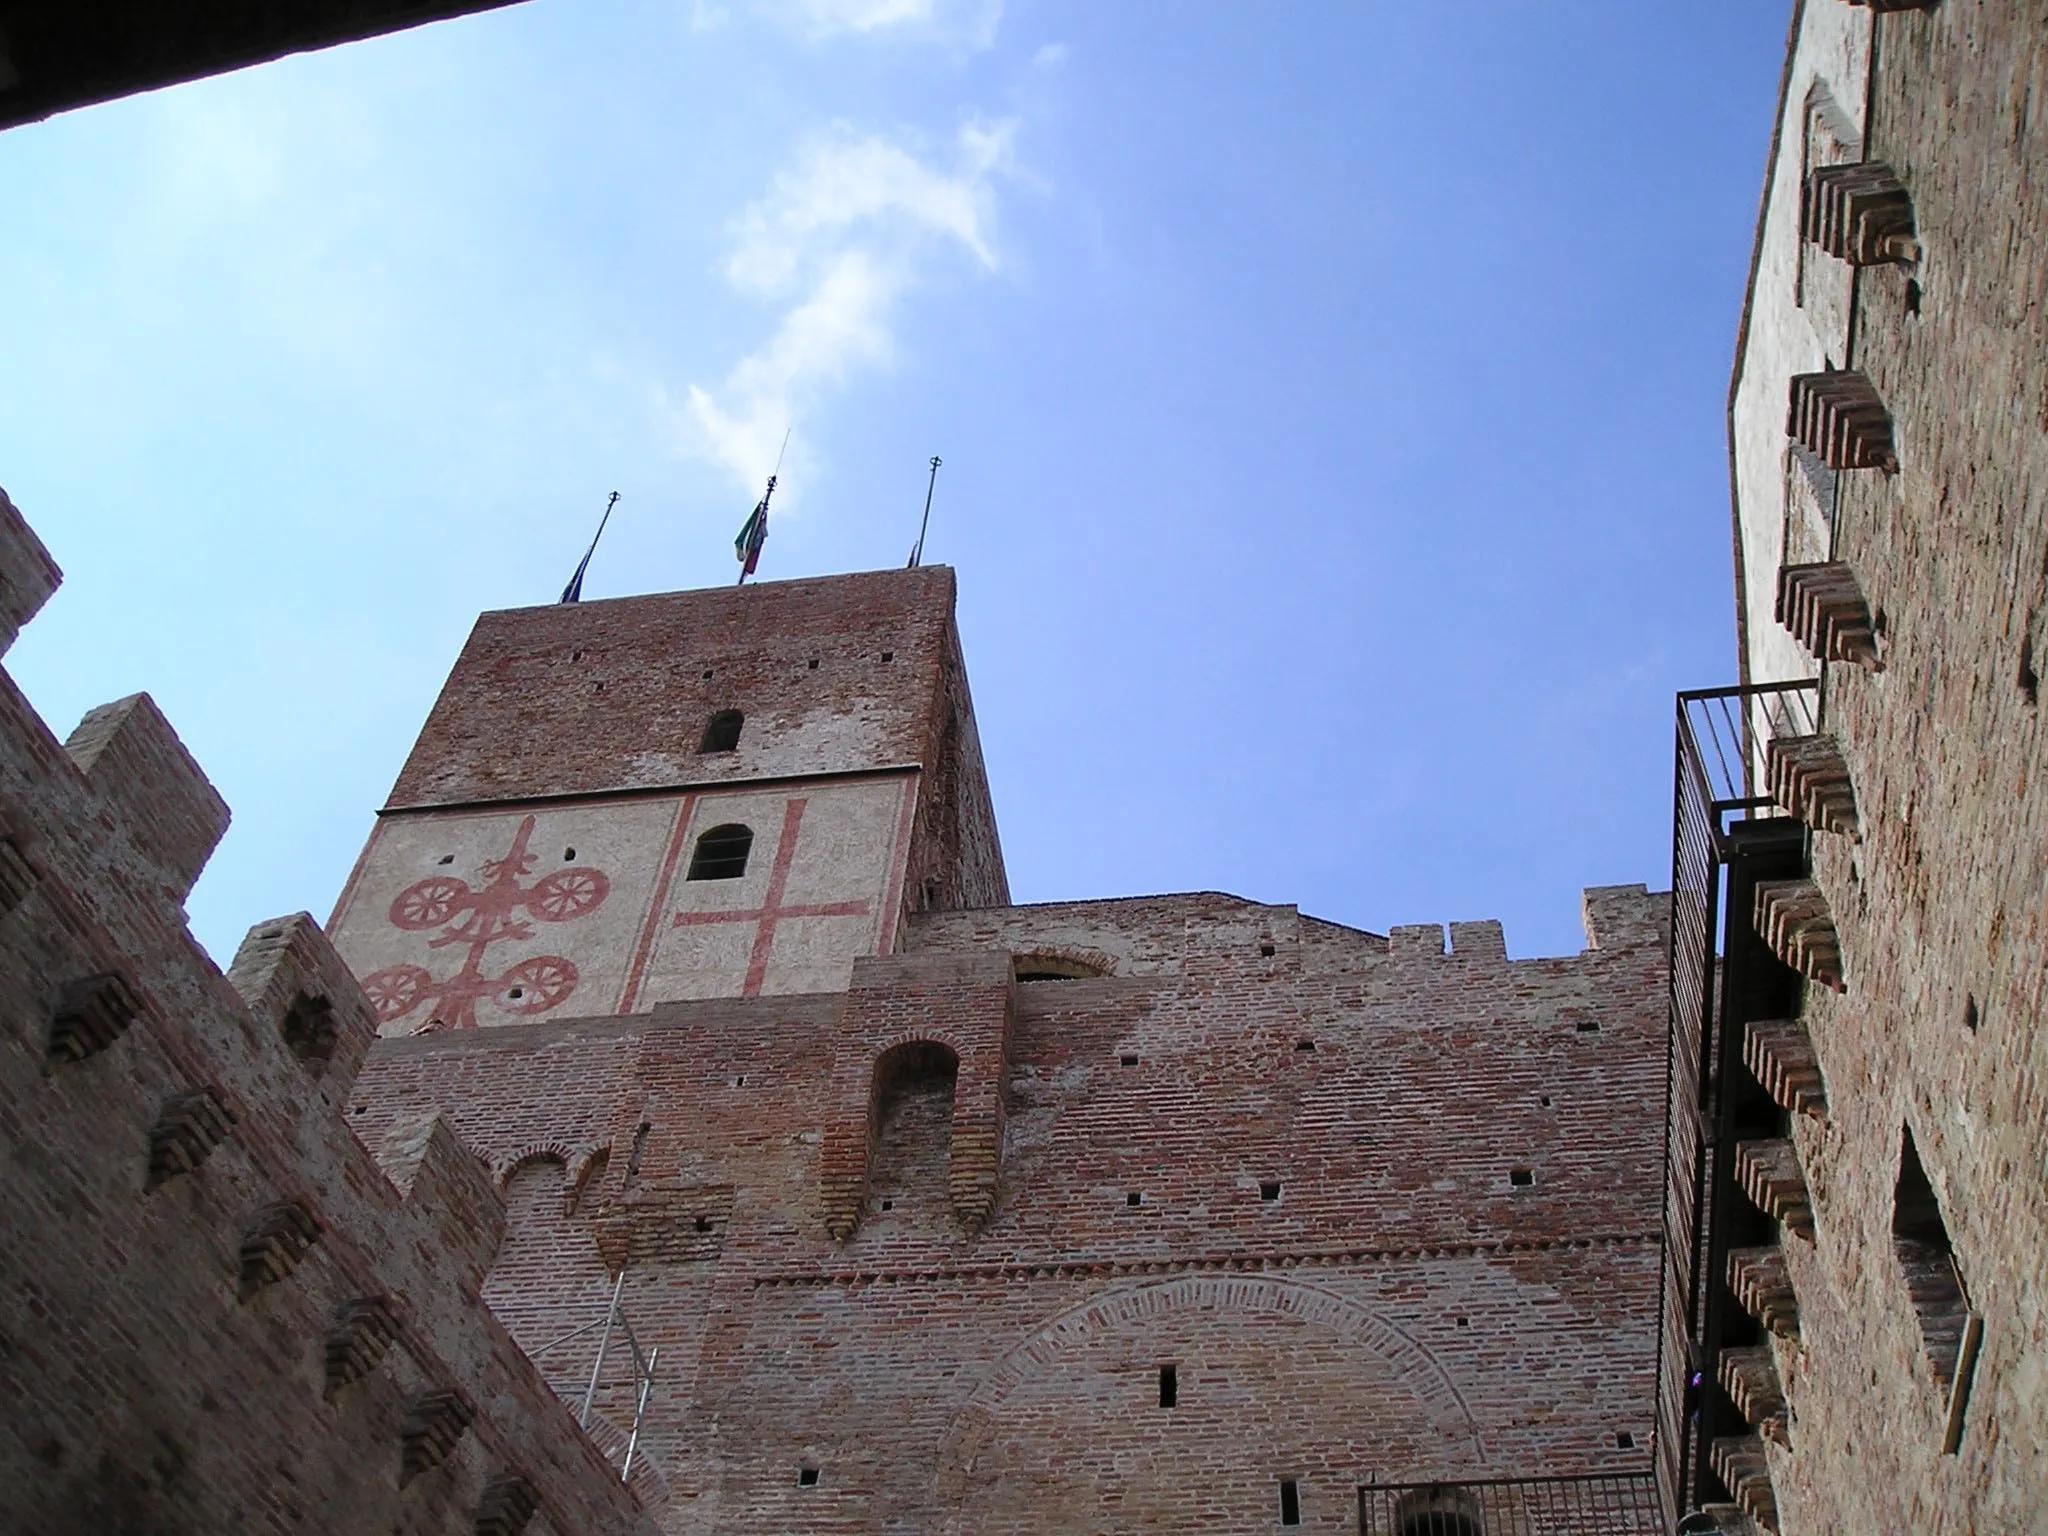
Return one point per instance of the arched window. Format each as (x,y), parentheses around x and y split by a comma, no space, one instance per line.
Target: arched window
(722,853)
(722,733)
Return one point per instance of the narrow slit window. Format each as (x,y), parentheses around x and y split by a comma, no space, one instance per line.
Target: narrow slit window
(722,732)
(1169,1386)
(722,853)
(1290,1501)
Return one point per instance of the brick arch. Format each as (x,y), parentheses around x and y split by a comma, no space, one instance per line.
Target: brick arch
(1094,961)
(1405,1359)
(578,1163)
(504,1168)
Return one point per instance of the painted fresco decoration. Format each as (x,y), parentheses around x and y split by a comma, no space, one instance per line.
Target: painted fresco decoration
(472,920)
(774,910)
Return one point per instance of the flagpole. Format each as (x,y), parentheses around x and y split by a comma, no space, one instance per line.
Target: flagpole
(917,554)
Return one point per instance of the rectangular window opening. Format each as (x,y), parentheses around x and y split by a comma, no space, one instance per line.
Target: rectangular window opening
(1304,1045)
(1129,1061)
(807,1477)
(1169,1386)
(1270,1190)
(1290,1501)
(1134,1198)
(1521,1178)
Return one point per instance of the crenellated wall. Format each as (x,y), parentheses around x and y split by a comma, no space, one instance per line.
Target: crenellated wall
(1454,1273)
(221,1310)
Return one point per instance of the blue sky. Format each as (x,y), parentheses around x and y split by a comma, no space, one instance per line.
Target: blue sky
(1331,397)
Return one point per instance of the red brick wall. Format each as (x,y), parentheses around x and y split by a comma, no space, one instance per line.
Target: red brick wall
(1401,1310)
(1940,905)
(587,697)
(149,1385)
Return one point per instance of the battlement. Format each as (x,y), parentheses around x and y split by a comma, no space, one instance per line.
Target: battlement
(188,1177)
(27,573)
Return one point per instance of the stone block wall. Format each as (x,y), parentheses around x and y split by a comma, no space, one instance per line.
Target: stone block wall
(218,1311)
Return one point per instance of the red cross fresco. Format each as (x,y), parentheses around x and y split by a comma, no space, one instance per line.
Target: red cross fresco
(772,911)
(477,919)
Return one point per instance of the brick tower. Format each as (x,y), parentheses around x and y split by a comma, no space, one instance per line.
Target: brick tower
(732,793)
(919,1211)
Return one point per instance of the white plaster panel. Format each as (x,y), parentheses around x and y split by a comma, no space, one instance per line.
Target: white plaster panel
(827,846)
(1796,322)
(439,927)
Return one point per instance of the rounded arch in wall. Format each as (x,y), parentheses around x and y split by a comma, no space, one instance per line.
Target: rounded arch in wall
(1061,964)
(1117,1337)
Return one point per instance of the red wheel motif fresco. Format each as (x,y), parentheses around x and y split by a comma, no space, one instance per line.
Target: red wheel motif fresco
(537,984)
(473,919)
(396,990)
(568,893)
(429,903)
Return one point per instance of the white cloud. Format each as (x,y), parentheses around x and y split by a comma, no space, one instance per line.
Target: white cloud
(969,22)
(840,237)
(1051,56)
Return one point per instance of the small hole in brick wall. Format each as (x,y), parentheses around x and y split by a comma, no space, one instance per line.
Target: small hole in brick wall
(599,688)
(1134,1198)
(1912,297)
(576,655)
(814,664)
(1169,1385)
(1129,1061)
(1464,1322)
(568,854)
(359,1109)
(1970,1012)
(1623,1440)
(807,1477)
(1878,621)
(888,1205)
(1521,1178)
(2030,685)
(447,858)
(517,992)
(1266,950)
(740,1081)
(707,674)
(1589,1026)
(888,655)
(1269,1189)
(1545,1101)
(1290,1501)
(703,1223)
(1305,1045)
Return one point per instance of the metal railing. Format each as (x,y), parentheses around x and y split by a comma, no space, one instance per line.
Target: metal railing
(1722,742)
(1623,1505)
(643,1363)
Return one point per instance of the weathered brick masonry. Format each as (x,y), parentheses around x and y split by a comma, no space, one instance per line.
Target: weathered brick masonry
(915,1250)
(220,1311)
(1328,1240)
(1932,1058)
